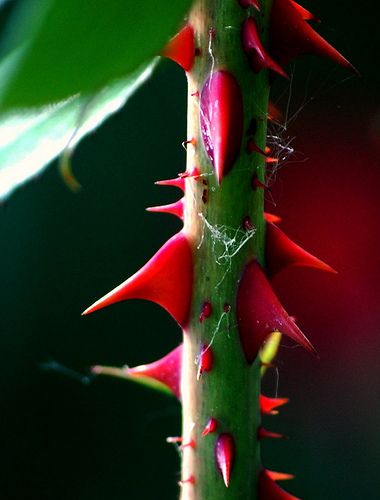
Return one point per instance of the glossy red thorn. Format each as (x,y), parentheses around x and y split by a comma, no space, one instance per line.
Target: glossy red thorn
(178,182)
(306,14)
(205,360)
(258,58)
(210,427)
(166,279)
(176,208)
(257,184)
(268,406)
(282,252)
(250,3)
(270,160)
(221,119)
(166,370)
(181,48)
(272,218)
(253,148)
(206,311)
(263,433)
(225,456)
(259,313)
(291,36)
(269,490)
(279,476)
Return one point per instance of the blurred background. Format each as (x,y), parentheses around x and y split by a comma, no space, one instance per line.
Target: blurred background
(68,437)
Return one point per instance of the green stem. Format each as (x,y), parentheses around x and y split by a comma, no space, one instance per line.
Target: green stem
(230,392)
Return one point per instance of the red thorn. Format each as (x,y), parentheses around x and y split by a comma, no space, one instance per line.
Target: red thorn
(259,59)
(194,173)
(257,184)
(181,48)
(268,405)
(279,476)
(269,160)
(166,279)
(306,14)
(178,182)
(269,490)
(206,360)
(250,3)
(189,480)
(282,252)
(259,313)
(205,312)
(291,36)
(195,94)
(189,444)
(225,456)
(272,218)
(174,439)
(253,148)
(191,141)
(263,433)
(176,208)
(210,427)
(274,114)
(166,370)
(222,121)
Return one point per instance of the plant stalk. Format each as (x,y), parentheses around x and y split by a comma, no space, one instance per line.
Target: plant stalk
(222,246)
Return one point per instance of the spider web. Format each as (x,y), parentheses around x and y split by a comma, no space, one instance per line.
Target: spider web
(227,241)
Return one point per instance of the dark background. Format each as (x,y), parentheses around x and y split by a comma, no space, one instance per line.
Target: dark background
(61,438)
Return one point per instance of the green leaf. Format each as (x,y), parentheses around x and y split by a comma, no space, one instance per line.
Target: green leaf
(29,140)
(74,46)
